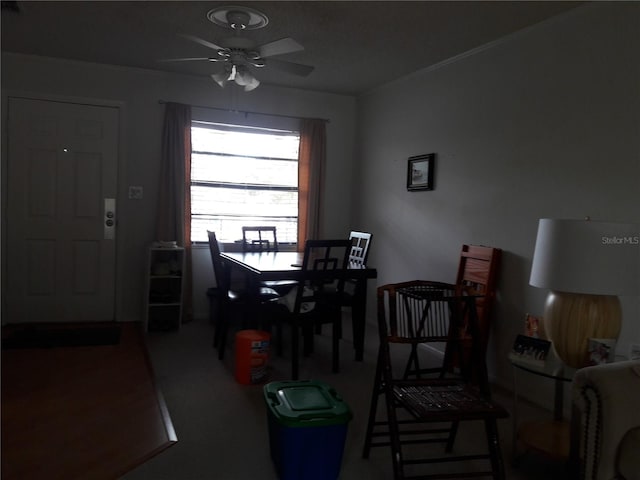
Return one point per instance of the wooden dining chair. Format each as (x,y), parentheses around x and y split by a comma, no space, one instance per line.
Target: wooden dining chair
(318,295)
(429,408)
(358,255)
(360,242)
(230,303)
(265,239)
(259,239)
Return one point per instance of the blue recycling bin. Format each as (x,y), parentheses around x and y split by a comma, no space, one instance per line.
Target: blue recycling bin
(307,429)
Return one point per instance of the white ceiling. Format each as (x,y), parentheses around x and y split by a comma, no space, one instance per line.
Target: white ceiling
(355,46)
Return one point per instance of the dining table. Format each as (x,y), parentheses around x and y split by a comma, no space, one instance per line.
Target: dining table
(286,265)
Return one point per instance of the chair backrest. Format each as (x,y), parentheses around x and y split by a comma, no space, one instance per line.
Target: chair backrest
(324,268)
(360,242)
(221,273)
(419,312)
(478,271)
(478,268)
(259,239)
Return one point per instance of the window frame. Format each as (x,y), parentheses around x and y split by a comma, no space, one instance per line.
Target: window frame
(287,127)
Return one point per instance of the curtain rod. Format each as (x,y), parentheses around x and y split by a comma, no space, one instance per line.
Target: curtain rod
(246,112)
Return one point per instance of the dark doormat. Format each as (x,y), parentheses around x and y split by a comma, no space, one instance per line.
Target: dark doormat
(60,335)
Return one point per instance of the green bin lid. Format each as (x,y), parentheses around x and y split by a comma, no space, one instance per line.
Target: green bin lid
(306,403)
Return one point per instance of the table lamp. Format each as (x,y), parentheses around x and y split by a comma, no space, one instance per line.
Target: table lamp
(585,264)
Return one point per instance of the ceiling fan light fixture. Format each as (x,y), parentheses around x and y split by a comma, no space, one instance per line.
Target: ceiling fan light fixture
(221,78)
(252,85)
(245,79)
(242,77)
(238,74)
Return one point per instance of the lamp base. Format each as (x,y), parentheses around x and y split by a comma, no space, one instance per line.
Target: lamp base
(571,319)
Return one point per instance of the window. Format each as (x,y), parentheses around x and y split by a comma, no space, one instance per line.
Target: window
(243,176)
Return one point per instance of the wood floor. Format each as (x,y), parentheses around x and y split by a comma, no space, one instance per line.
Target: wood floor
(81,412)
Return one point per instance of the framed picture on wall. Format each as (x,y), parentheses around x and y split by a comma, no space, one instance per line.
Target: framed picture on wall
(420,172)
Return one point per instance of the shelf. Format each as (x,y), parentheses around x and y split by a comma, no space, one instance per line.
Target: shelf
(164,289)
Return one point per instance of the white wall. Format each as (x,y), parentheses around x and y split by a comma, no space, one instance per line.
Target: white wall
(545,123)
(139,91)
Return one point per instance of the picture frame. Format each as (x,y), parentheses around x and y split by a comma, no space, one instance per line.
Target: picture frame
(534,326)
(601,350)
(420,171)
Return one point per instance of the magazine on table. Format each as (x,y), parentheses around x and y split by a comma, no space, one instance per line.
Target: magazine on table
(530,350)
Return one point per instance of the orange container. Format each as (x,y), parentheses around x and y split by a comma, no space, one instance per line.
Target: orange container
(252,355)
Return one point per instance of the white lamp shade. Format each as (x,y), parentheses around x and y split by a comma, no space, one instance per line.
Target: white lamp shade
(583,256)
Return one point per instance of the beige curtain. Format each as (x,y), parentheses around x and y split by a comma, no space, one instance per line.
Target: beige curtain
(311,172)
(173,221)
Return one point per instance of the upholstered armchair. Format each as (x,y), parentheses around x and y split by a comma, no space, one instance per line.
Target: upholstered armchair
(606,421)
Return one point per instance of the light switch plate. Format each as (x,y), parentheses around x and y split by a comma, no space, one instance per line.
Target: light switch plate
(135,192)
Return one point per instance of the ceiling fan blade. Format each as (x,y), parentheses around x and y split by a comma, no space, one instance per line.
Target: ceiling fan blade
(290,67)
(201,42)
(279,47)
(191,59)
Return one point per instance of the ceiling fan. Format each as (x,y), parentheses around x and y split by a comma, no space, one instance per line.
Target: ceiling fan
(238,55)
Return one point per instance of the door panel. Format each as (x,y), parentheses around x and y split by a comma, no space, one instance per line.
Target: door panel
(62,164)
(41,267)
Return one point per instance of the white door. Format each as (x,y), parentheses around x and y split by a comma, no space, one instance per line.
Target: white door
(62,183)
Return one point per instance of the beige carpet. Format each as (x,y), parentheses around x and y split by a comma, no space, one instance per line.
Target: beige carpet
(222,426)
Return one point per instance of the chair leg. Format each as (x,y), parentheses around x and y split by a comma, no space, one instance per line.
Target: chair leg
(373,410)
(295,340)
(217,329)
(307,340)
(222,340)
(222,327)
(453,431)
(335,342)
(216,335)
(216,321)
(493,441)
(272,319)
(394,436)
(279,339)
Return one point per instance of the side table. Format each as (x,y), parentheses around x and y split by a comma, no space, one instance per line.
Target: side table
(550,437)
